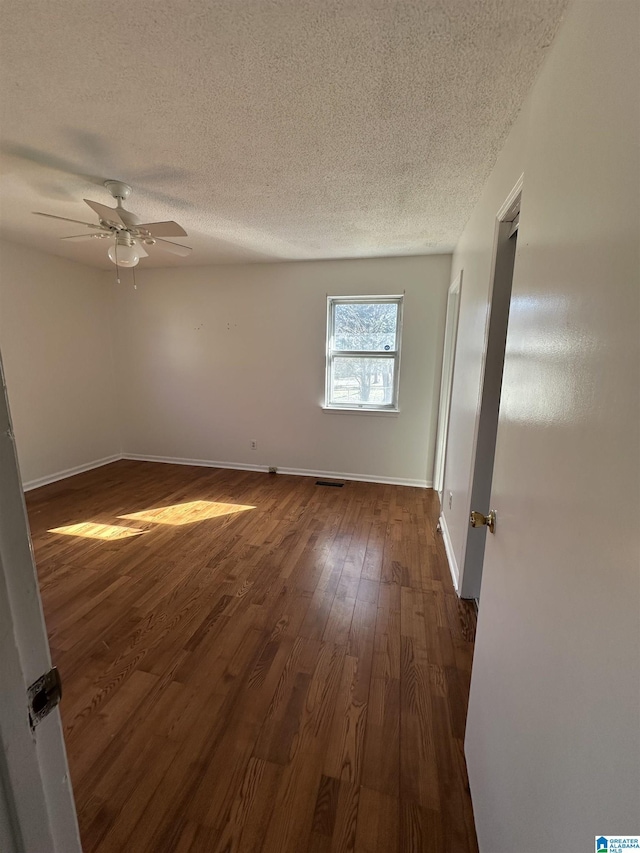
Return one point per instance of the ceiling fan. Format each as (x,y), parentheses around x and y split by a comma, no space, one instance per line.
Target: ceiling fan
(131,239)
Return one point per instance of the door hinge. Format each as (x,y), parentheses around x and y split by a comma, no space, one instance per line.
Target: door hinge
(44,695)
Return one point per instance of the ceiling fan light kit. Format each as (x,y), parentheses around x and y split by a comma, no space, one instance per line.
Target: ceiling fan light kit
(130,237)
(123,254)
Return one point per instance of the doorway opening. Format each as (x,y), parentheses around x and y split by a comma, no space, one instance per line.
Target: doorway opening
(446,384)
(507,222)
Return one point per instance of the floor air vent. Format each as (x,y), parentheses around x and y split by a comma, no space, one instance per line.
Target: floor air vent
(329,483)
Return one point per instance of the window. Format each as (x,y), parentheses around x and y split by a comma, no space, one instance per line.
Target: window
(363,352)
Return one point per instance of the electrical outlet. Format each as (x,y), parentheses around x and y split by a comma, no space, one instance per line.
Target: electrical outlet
(253,444)
(450,499)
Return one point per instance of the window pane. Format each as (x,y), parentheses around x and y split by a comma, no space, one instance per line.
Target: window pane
(362,380)
(365,326)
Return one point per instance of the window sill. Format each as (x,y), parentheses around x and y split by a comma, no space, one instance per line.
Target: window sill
(357,410)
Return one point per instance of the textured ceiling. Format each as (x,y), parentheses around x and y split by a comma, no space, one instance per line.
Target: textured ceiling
(270,129)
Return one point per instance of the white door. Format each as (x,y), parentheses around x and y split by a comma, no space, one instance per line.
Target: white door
(553,729)
(37,811)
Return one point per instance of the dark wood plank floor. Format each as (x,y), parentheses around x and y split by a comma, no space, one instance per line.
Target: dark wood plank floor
(288,672)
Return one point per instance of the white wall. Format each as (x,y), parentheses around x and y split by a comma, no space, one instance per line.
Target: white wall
(210,358)
(553,732)
(56,346)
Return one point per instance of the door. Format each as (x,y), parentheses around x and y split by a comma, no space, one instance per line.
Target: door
(37,811)
(446,384)
(507,222)
(553,729)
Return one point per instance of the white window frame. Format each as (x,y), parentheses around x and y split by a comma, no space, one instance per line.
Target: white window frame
(333,353)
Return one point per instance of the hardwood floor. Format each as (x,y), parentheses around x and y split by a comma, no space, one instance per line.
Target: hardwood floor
(289,672)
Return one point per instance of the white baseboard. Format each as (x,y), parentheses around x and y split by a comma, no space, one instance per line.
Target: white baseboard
(298,472)
(69,472)
(451,557)
(235,466)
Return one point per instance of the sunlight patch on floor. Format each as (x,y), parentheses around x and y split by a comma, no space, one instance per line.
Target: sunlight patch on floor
(90,530)
(186,513)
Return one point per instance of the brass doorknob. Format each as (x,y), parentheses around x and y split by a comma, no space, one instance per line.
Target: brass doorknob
(479,520)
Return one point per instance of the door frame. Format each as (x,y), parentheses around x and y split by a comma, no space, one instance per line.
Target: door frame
(470,578)
(446,383)
(37,803)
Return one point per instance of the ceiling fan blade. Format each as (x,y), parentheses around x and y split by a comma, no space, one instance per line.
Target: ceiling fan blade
(142,252)
(79,237)
(174,248)
(110,214)
(64,219)
(163,229)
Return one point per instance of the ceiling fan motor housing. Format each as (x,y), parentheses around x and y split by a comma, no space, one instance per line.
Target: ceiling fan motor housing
(118,189)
